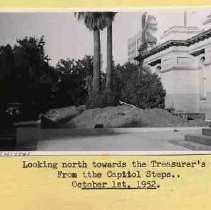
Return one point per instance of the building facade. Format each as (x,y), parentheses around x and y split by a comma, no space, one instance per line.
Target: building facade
(183,62)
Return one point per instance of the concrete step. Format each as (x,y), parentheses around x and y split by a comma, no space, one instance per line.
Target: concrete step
(206,131)
(201,139)
(191,145)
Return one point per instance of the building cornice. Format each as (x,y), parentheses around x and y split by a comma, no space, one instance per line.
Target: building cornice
(180,29)
(170,43)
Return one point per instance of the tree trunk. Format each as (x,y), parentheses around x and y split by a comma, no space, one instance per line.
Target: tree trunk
(109,57)
(96,64)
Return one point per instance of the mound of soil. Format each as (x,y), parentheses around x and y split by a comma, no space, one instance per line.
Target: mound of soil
(126,116)
(56,115)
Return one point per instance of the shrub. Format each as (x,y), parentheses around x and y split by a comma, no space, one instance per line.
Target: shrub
(143,90)
(101,99)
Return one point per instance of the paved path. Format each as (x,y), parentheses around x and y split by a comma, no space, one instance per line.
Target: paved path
(135,141)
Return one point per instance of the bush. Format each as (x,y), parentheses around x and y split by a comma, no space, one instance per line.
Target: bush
(101,99)
(144,90)
(75,77)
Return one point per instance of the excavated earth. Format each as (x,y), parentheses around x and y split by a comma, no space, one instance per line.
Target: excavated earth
(127,116)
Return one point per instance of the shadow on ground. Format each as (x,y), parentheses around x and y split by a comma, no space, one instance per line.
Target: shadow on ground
(28,139)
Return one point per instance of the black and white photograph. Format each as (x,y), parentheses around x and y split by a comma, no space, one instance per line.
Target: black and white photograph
(119,80)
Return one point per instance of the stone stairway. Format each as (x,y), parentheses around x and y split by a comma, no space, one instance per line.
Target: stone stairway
(204,138)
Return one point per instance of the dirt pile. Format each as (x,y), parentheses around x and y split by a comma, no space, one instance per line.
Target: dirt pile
(126,116)
(64,113)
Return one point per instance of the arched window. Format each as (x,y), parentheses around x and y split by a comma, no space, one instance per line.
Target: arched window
(158,68)
(203,94)
(202,60)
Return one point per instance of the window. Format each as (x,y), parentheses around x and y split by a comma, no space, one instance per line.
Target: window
(203,94)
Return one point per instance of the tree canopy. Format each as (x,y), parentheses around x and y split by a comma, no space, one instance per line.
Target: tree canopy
(92,20)
(75,81)
(25,74)
(145,91)
(26,77)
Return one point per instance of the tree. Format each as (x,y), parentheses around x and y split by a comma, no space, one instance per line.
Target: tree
(145,91)
(6,82)
(109,16)
(7,68)
(34,78)
(95,22)
(26,76)
(148,28)
(73,85)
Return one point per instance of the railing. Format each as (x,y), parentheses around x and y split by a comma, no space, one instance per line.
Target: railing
(186,115)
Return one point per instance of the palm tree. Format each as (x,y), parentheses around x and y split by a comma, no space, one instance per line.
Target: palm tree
(95,22)
(148,27)
(109,16)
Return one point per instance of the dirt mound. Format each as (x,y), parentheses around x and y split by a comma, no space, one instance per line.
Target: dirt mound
(59,114)
(126,116)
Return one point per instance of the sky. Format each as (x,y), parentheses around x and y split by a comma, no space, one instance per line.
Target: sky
(66,37)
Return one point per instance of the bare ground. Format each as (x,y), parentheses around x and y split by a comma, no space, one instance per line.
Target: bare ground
(126,116)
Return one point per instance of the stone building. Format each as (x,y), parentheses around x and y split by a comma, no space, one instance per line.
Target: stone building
(183,62)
